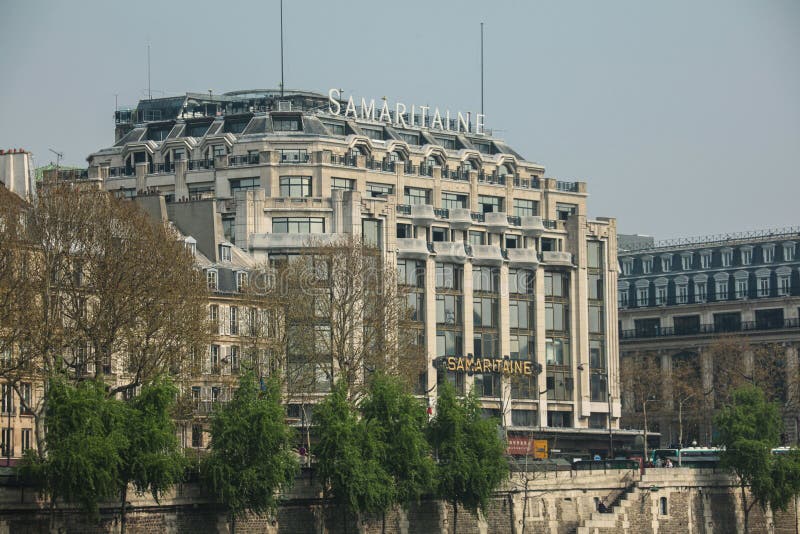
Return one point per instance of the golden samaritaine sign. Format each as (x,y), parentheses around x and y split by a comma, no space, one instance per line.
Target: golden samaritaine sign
(487,365)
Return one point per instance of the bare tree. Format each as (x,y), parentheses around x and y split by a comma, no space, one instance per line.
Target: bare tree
(108,293)
(641,380)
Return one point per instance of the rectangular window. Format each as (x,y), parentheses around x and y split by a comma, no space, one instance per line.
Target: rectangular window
(243,184)
(371,233)
(666,264)
(485,345)
(643,296)
(6,398)
(727,258)
(727,322)
(747,256)
(213,317)
(411,273)
(439,235)
(556,284)
(295,186)
(563,211)
(215,359)
(521,313)
(647,327)
(485,279)
(556,316)
(241,281)
(522,347)
(285,125)
(647,265)
(477,238)
(622,300)
(521,282)
(6,442)
(523,418)
(526,208)
(682,294)
(594,255)
(448,276)
(448,309)
(741,288)
(513,241)
(686,262)
(597,358)
(26,439)
(722,290)
(598,420)
(373,133)
(488,384)
(345,184)
(453,200)
(768,253)
(627,266)
(559,419)
(410,138)
(705,260)
(784,286)
(596,319)
(379,190)
(597,387)
(211,279)
(484,312)
(700,291)
(788,252)
(487,204)
(661,295)
(416,196)
(234,320)
(595,286)
(763,287)
(298,225)
(405,231)
(686,325)
(197,436)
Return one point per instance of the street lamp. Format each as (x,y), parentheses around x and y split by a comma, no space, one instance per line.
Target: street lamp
(651,398)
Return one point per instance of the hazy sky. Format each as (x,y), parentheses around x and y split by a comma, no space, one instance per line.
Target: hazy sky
(682,116)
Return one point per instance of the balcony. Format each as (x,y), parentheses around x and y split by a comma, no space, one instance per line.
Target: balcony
(525,257)
(487,255)
(344,161)
(423,214)
(532,226)
(746,326)
(243,161)
(552,257)
(201,164)
(408,247)
(496,221)
(450,251)
(161,168)
(460,218)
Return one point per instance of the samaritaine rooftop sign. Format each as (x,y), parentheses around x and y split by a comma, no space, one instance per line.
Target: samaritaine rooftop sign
(427,118)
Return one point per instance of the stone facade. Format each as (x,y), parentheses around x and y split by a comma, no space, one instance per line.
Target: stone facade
(664,501)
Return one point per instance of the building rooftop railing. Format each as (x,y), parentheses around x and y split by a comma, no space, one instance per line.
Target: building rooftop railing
(201,164)
(716,239)
(570,187)
(241,161)
(744,326)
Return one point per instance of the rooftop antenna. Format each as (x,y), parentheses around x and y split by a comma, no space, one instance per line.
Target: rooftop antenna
(59,155)
(282,48)
(482,68)
(149,92)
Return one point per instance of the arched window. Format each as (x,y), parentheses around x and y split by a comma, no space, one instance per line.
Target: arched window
(504,170)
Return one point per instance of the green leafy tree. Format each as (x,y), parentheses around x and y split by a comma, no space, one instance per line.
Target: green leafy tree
(469,449)
(749,428)
(251,457)
(398,421)
(85,438)
(152,460)
(349,457)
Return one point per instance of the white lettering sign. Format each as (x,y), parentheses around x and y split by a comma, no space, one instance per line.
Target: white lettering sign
(396,116)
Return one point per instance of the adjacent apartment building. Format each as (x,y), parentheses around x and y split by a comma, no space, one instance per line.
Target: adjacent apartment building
(693,300)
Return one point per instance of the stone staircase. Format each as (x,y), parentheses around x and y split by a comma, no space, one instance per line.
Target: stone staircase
(616,517)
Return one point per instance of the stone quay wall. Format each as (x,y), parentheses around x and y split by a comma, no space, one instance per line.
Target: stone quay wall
(666,501)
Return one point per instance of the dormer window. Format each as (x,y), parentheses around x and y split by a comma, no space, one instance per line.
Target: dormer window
(627,266)
(686,261)
(705,259)
(727,257)
(225,253)
(241,281)
(191,245)
(747,255)
(784,281)
(647,264)
(666,263)
(211,279)
(788,251)
(768,253)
